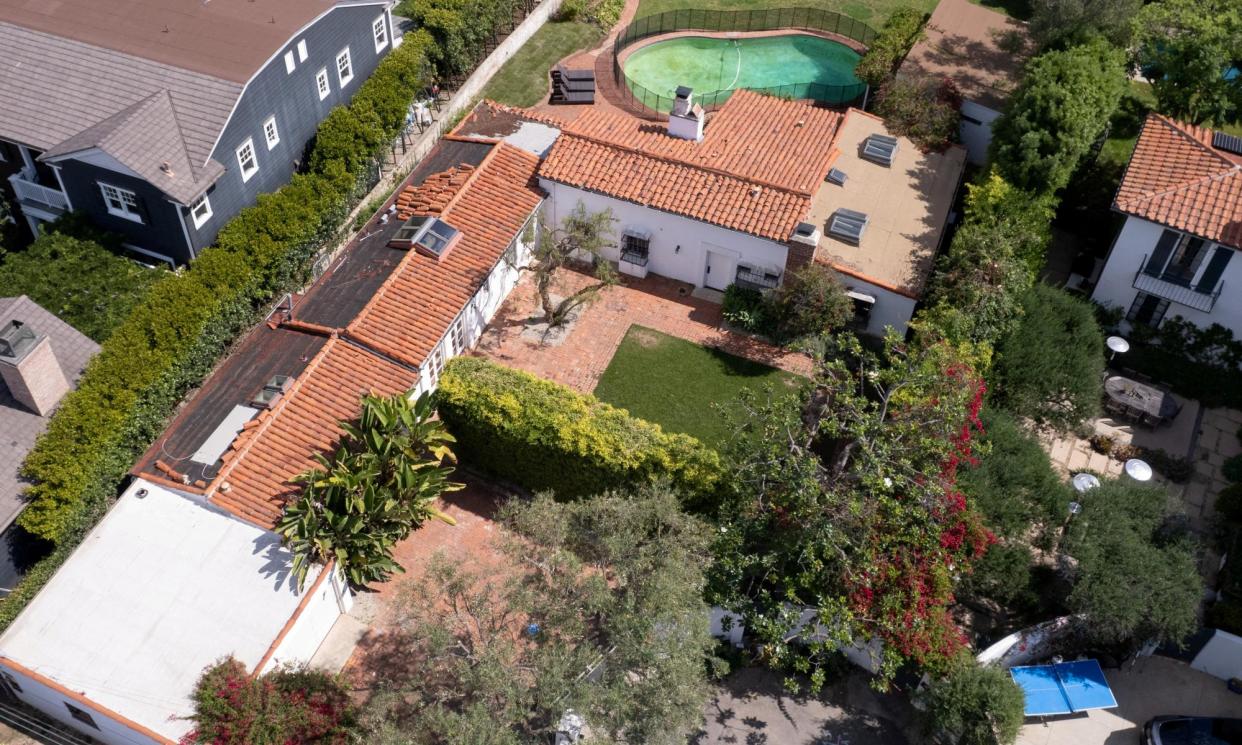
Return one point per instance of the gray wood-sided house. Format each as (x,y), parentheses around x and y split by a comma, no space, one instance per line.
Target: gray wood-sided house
(161,119)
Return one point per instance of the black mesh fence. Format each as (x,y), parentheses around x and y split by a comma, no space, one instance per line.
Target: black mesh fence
(695,19)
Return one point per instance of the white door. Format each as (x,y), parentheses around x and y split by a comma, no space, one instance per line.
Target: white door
(720,270)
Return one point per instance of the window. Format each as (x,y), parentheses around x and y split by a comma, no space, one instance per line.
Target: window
(344,67)
(1147,310)
(200,211)
(270,133)
(635,248)
(121,202)
(458,336)
(379,30)
(81,715)
(321,82)
(1186,259)
(437,364)
(246,159)
(289,63)
(302,50)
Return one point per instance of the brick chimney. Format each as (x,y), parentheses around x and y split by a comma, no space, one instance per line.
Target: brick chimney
(30,369)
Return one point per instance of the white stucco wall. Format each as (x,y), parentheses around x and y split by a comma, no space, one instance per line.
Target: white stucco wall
(977,137)
(1221,656)
(312,625)
(679,245)
(891,308)
(52,703)
(1138,239)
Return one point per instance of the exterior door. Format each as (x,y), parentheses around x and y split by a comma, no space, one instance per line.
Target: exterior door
(718,275)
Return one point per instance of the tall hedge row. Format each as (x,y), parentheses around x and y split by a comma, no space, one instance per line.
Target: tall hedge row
(173,338)
(542,435)
(891,45)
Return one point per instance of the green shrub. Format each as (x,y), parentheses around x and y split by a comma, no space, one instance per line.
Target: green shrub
(83,283)
(1229,503)
(890,46)
(974,706)
(746,308)
(542,435)
(173,338)
(926,110)
(810,303)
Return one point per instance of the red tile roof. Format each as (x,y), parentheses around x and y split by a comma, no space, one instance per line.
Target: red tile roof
(1176,178)
(435,193)
(415,306)
(760,161)
(254,483)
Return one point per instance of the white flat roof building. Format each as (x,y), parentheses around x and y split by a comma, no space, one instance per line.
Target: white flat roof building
(163,587)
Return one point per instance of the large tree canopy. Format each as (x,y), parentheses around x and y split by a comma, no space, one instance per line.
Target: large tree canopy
(1186,46)
(1049,368)
(1062,107)
(1065,22)
(597,607)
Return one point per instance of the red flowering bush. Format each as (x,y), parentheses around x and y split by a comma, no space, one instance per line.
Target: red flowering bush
(287,706)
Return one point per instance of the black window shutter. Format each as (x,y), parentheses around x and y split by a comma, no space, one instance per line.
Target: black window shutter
(1160,257)
(1215,268)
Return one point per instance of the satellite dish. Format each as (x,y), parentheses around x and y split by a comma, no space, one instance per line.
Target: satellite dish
(1138,470)
(1084,482)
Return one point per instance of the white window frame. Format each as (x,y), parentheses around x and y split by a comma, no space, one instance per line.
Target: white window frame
(273,135)
(436,364)
(118,205)
(379,30)
(195,206)
(344,56)
(322,83)
(247,174)
(302,55)
(290,65)
(457,332)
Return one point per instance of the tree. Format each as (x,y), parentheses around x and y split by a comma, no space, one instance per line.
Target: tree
(1063,23)
(378,486)
(1186,47)
(890,46)
(848,507)
(1058,112)
(1049,368)
(582,236)
(810,302)
(1136,576)
(975,705)
(926,110)
(596,606)
(287,706)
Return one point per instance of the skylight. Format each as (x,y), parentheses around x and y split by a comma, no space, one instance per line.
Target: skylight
(848,225)
(426,234)
(880,149)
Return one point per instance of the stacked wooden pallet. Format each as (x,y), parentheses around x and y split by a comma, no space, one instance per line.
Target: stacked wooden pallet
(572,86)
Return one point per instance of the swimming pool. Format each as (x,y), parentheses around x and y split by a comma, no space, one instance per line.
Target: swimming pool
(790,65)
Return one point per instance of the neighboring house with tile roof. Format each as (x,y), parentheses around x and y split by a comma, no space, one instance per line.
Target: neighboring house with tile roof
(750,199)
(162,119)
(1176,254)
(983,52)
(36,369)
(186,568)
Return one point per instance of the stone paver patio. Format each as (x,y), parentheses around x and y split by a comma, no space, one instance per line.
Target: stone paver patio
(578,357)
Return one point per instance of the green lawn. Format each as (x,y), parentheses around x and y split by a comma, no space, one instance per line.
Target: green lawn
(674,383)
(523,81)
(871,12)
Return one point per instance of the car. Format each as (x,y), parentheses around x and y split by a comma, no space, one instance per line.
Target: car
(1178,730)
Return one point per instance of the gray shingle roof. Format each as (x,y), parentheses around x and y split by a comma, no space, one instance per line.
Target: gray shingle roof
(20,427)
(52,89)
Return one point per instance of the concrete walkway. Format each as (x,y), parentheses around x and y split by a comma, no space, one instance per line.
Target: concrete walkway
(1153,687)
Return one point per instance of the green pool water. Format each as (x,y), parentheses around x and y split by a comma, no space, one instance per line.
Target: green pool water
(790,65)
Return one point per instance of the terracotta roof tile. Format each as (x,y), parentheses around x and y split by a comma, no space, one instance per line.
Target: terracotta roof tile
(756,169)
(1176,178)
(414,308)
(283,442)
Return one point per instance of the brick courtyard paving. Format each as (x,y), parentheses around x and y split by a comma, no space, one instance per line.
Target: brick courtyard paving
(581,356)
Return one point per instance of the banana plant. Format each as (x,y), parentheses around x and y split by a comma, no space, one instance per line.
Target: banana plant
(381,483)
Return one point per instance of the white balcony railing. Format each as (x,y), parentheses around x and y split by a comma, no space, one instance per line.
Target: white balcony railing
(1188,295)
(28,191)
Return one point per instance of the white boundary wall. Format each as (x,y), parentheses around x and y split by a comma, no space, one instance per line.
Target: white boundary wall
(1221,656)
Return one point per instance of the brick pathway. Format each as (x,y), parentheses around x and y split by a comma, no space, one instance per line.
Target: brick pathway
(580,357)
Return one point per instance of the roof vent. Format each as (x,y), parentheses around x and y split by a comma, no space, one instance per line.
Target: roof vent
(686,119)
(880,149)
(806,233)
(1227,142)
(428,235)
(848,225)
(837,176)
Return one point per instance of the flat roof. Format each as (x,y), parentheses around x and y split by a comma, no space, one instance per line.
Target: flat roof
(981,50)
(159,590)
(908,204)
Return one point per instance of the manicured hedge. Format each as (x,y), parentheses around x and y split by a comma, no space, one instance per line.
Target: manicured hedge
(890,46)
(542,435)
(174,337)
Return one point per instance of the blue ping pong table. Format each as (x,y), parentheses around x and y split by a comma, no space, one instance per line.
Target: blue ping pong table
(1063,688)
